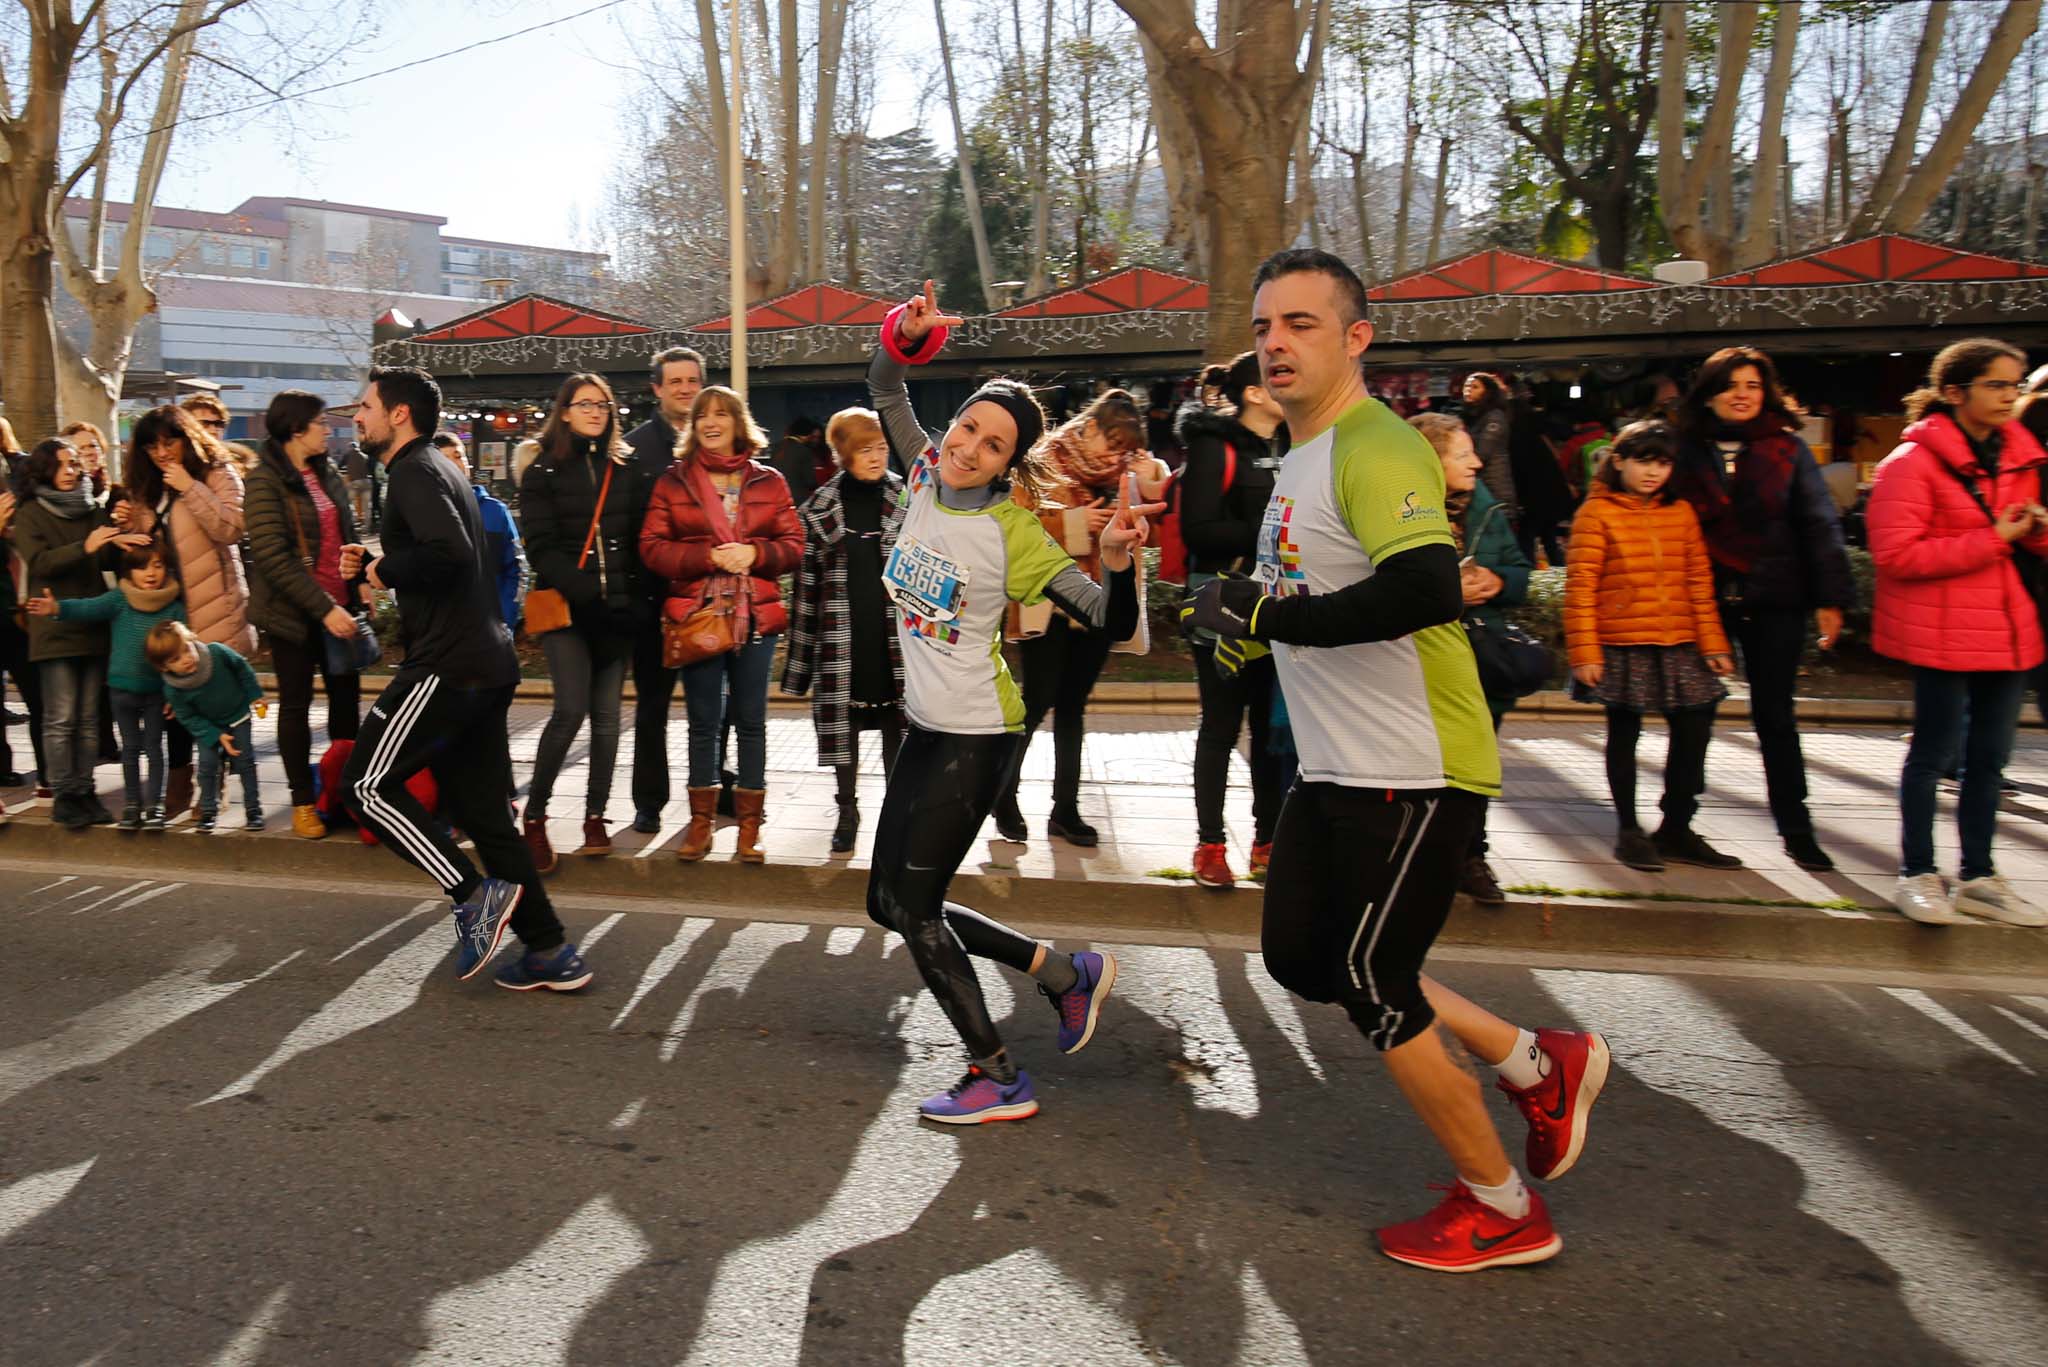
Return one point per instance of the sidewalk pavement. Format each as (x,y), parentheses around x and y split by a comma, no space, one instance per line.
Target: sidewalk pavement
(1552,834)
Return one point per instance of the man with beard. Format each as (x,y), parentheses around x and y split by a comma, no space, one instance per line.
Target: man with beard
(448,704)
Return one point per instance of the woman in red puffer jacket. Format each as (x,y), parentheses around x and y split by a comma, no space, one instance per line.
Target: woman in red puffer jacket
(1951,512)
(719,512)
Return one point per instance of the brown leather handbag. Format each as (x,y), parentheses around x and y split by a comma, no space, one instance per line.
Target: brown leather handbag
(546,609)
(724,616)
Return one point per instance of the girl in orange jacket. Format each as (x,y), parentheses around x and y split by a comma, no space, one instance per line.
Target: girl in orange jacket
(1643,634)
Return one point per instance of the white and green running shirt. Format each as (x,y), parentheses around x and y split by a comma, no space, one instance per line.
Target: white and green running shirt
(953,574)
(1405,713)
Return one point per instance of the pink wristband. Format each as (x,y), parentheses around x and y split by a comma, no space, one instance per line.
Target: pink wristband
(933,340)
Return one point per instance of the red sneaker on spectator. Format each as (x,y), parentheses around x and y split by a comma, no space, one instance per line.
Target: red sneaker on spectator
(1262,855)
(1212,867)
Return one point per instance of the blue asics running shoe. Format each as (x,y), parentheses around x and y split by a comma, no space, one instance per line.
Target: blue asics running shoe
(977,1099)
(1080,1004)
(480,924)
(558,970)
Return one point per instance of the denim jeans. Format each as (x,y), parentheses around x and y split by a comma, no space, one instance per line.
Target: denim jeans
(1971,717)
(584,688)
(140,719)
(71,722)
(211,759)
(743,674)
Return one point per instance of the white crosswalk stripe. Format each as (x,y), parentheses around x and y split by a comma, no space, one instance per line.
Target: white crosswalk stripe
(744,956)
(24,1201)
(1984,1311)
(663,964)
(1954,1024)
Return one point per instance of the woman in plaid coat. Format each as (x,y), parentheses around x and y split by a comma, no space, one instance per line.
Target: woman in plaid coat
(842,635)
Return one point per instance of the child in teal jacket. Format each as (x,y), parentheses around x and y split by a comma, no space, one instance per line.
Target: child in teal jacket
(212,692)
(147,597)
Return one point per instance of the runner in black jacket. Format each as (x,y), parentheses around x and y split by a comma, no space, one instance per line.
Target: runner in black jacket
(448,705)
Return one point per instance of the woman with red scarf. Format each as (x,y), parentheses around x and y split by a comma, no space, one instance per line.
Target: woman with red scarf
(1776,544)
(720,511)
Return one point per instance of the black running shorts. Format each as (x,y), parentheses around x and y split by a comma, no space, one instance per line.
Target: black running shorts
(1361,881)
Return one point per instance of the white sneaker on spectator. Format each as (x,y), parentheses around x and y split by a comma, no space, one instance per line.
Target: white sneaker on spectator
(1924,898)
(1993,899)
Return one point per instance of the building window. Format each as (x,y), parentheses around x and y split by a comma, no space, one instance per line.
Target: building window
(239,255)
(263,258)
(213,253)
(157,247)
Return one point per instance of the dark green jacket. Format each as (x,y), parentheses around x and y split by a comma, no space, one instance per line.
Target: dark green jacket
(53,549)
(1490,541)
(128,666)
(221,703)
(284,599)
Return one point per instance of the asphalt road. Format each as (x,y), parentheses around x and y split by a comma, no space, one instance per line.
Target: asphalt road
(250,1124)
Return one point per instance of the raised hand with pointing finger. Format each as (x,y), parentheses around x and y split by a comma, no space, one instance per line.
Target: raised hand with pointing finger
(920,315)
(1127,530)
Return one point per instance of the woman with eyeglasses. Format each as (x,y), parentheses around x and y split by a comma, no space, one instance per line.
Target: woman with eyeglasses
(184,492)
(1779,557)
(1951,511)
(299,518)
(582,500)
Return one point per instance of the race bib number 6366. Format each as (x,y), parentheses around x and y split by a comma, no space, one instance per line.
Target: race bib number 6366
(924,582)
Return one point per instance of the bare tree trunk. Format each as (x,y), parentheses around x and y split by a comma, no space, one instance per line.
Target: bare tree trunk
(1179,162)
(1845,170)
(1758,243)
(831,42)
(1709,178)
(1892,173)
(1827,187)
(1245,101)
(1041,197)
(2030,213)
(849,206)
(1137,175)
(28,184)
(714,75)
(970,196)
(1671,55)
(1084,169)
(787,266)
(1441,206)
(1403,206)
(2014,27)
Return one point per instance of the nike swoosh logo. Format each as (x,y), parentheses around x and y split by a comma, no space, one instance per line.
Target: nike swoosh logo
(1481,1245)
(1562,1104)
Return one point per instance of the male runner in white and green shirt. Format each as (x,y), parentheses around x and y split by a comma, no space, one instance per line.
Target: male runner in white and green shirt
(1357,592)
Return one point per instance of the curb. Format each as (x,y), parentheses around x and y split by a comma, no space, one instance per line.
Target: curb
(1182,699)
(1698,930)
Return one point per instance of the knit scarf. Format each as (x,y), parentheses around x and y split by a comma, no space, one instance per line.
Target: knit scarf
(1093,470)
(70,504)
(1738,514)
(150,600)
(198,677)
(725,464)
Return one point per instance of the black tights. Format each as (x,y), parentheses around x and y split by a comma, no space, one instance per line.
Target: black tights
(1685,765)
(888,721)
(943,789)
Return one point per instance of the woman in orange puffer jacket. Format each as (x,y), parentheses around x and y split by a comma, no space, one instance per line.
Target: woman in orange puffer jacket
(1643,634)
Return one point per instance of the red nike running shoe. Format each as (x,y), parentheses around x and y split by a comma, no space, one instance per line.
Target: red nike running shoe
(1464,1234)
(1557,1107)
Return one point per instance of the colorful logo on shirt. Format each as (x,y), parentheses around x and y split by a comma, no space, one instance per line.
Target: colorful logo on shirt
(923,582)
(922,471)
(1279,555)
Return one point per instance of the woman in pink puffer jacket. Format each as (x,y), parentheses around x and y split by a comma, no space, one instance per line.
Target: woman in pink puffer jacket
(1950,513)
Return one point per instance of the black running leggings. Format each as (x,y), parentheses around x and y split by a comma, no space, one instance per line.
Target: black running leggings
(943,789)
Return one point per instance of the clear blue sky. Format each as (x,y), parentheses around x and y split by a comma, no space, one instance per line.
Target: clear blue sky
(515,141)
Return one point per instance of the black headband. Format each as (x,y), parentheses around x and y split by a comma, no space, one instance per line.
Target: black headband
(1023,411)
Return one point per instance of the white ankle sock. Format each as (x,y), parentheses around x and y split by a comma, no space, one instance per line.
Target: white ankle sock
(1510,1198)
(1526,1064)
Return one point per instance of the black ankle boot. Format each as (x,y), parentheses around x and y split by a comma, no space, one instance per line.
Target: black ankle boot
(1066,823)
(1010,822)
(848,827)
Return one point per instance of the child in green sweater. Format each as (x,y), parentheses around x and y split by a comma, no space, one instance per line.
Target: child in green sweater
(147,597)
(212,691)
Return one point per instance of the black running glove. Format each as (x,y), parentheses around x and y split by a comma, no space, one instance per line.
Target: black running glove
(1228,606)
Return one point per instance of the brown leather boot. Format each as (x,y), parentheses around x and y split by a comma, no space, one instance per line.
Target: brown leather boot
(177,791)
(597,841)
(697,835)
(747,804)
(538,845)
